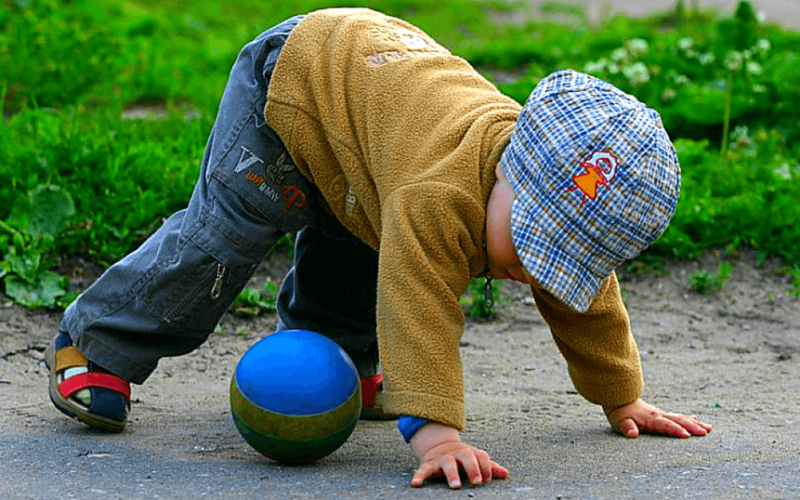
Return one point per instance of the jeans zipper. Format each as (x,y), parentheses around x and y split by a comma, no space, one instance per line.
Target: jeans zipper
(216,288)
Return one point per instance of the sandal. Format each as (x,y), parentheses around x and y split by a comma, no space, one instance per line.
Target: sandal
(85,391)
(372,395)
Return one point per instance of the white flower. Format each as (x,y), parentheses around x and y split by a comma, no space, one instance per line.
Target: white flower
(706,58)
(595,66)
(681,80)
(636,73)
(637,46)
(783,171)
(741,140)
(686,43)
(759,89)
(753,68)
(619,55)
(762,46)
(741,132)
(733,60)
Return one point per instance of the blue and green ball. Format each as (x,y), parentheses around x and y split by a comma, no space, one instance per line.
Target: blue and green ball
(295,396)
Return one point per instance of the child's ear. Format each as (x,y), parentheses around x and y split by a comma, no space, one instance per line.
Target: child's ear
(501,175)
(498,171)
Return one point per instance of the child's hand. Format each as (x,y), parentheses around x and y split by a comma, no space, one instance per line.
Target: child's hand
(441,453)
(637,417)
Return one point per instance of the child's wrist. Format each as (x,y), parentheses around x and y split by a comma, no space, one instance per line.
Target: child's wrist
(431,435)
(408,425)
(611,409)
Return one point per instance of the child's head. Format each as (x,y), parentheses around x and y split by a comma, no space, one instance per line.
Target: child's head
(595,178)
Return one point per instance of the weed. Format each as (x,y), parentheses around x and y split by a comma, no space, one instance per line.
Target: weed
(26,243)
(253,302)
(794,273)
(480,304)
(646,264)
(706,283)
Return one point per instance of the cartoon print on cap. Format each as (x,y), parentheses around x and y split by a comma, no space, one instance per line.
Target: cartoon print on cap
(600,170)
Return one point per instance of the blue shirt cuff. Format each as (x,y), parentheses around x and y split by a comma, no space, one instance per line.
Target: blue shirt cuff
(408,425)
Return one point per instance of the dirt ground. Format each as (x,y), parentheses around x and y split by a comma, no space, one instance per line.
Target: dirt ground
(733,358)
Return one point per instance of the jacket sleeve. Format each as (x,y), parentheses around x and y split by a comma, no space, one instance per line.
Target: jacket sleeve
(424,266)
(601,353)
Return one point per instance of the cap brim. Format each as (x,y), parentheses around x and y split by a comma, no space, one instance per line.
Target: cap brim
(544,249)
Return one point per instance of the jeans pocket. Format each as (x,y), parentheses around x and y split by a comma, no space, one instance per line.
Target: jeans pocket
(190,294)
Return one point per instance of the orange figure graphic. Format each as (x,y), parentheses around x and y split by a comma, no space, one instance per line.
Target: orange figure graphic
(600,170)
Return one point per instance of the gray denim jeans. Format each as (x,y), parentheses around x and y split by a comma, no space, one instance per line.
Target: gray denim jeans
(166,297)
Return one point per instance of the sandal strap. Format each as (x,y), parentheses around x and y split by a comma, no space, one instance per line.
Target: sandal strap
(94,379)
(69,357)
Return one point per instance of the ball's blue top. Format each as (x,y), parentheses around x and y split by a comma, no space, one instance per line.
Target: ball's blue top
(296,372)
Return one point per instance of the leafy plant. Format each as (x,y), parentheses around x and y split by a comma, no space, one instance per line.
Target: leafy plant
(646,264)
(748,197)
(795,275)
(706,283)
(26,244)
(253,302)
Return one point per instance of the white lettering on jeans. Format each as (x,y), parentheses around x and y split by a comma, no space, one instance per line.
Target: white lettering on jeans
(246,159)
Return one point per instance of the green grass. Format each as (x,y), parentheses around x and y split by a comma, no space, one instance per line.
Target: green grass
(70,69)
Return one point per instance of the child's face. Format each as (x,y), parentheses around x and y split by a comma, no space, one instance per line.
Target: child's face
(503,260)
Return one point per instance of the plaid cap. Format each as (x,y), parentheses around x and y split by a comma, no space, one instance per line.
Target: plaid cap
(596,180)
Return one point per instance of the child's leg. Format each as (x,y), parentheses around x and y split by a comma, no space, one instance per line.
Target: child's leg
(332,289)
(165,298)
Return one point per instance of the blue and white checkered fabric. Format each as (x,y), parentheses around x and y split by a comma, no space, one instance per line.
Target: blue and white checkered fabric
(596,180)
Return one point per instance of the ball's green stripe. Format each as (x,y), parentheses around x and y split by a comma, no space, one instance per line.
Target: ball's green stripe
(294,450)
(269,423)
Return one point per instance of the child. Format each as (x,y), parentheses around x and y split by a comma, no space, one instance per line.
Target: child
(406,174)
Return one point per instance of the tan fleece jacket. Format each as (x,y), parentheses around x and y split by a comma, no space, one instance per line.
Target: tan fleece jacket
(402,138)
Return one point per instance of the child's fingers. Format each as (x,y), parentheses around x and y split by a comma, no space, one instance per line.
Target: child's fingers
(446,466)
(498,471)
(476,465)
(426,471)
(627,427)
(674,425)
(691,424)
(450,470)
(664,425)
(486,467)
(471,464)
(489,469)
(632,419)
